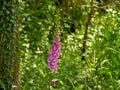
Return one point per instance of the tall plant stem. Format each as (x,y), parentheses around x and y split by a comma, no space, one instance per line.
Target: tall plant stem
(86,31)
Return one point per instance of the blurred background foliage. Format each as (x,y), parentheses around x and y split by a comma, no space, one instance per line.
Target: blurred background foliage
(99,70)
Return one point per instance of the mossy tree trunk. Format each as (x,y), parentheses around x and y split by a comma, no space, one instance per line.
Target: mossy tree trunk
(9,63)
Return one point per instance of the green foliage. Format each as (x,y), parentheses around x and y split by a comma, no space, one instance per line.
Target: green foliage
(8,42)
(100,70)
(105,58)
(2,85)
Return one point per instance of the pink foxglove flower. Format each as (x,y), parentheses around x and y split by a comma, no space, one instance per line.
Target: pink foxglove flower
(54,54)
(53,84)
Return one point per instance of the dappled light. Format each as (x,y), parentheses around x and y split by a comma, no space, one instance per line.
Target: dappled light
(60,45)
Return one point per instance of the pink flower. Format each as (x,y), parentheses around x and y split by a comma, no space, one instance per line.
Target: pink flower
(53,84)
(54,54)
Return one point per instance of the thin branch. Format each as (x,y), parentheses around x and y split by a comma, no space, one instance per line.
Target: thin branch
(86,31)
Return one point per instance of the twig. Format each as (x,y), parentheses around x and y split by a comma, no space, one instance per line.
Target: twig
(86,29)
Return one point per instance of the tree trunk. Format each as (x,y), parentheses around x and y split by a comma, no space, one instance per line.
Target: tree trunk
(9,63)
